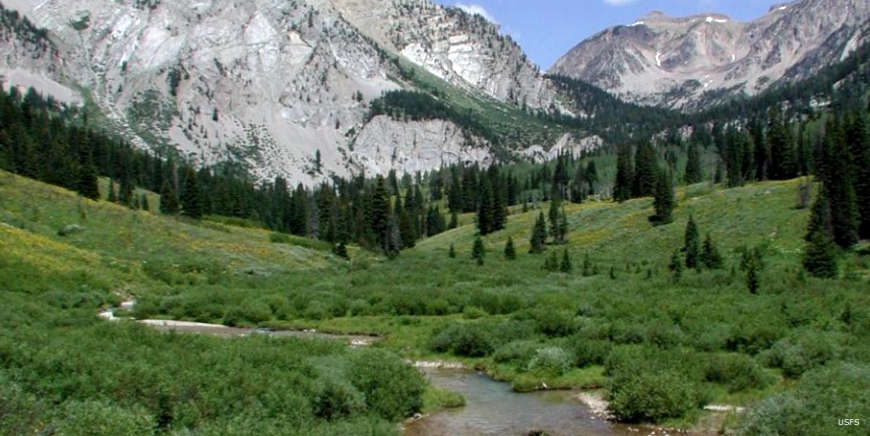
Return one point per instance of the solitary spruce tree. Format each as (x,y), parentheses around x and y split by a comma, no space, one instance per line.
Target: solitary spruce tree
(509,251)
(710,256)
(676,265)
(624,175)
(551,263)
(664,199)
(539,235)
(692,241)
(478,252)
(693,165)
(566,266)
(191,200)
(820,258)
(168,199)
(452,252)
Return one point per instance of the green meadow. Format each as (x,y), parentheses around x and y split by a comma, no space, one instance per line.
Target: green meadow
(658,347)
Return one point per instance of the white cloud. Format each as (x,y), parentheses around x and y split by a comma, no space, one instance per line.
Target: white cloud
(618,2)
(477,9)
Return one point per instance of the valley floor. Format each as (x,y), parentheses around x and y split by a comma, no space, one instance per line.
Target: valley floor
(658,349)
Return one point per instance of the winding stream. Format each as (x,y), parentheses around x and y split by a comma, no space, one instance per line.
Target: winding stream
(492,408)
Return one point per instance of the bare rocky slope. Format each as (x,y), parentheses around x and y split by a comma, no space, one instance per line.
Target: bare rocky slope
(274,82)
(691,62)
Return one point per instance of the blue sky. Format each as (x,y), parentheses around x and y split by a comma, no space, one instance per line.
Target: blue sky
(547,29)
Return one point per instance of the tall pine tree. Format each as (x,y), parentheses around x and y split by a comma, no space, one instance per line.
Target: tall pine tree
(538,239)
(191,199)
(693,165)
(664,199)
(622,188)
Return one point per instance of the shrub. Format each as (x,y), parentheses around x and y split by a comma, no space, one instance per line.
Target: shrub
(472,312)
(821,397)
(651,396)
(463,340)
(96,418)
(316,310)
(737,371)
(800,353)
(360,308)
(334,397)
(588,351)
(437,307)
(392,389)
(519,353)
(554,322)
(553,360)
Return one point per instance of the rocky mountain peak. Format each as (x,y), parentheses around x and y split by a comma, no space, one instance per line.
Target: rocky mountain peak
(689,62)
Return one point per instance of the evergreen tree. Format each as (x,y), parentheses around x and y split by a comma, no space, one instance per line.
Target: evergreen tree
(645,171)
(486,209)
(735,157)
(563,227)
(454,220)
(112,195)
(579,185)
(406,226)
(478,252)
(676,265)
(125,192)
(168,199)
(551,262)
(664,199)
(692,241)
(760,149)
(837,183)
(859,139)
(143,203)
(693,165)
(539,235)
(624,175)
(452,252)
(191,200)
(509,251)
(557,228)
(379,214)
(565,266)
(394,239)
(820,258)
(591,176)
(87,184)
(783,163)
(340,250)
(752,262)
(710,256)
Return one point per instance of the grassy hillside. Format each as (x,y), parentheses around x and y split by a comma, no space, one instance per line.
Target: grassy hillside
(627,327)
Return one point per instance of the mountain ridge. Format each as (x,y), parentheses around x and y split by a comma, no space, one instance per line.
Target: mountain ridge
(694,61)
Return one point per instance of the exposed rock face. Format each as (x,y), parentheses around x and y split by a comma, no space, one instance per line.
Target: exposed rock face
(415,146)
(463,49)
(693,61)
(272,82)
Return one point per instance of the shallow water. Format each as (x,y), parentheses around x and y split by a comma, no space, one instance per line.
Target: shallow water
(492,408)
(230,332)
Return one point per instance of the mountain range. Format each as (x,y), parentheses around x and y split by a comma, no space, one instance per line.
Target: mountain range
(288,87)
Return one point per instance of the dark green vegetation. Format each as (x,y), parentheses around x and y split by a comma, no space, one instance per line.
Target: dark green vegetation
(662,320)
(63,369)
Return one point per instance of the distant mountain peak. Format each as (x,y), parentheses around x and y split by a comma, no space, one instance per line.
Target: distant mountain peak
(689,62)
